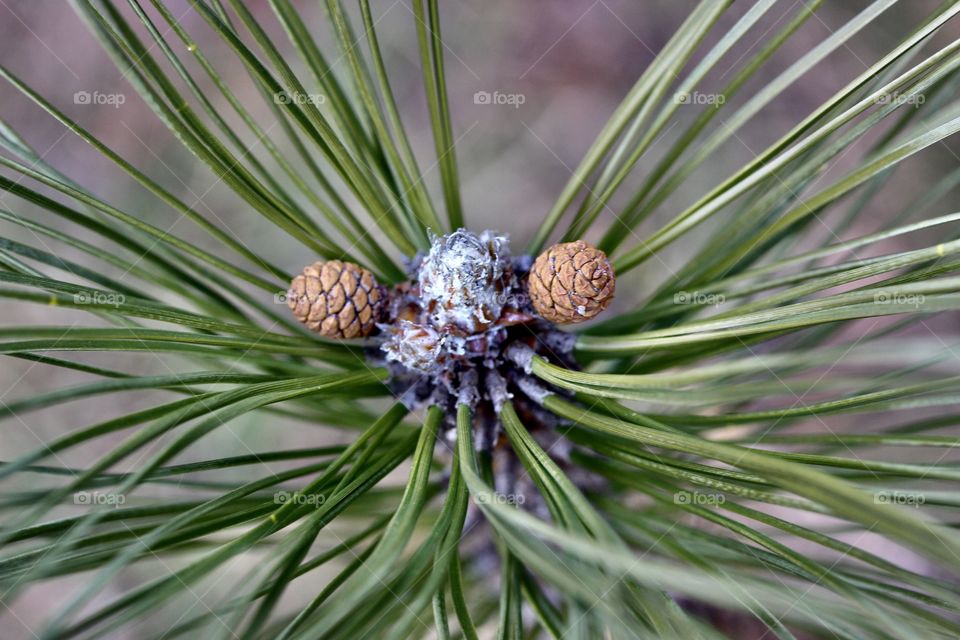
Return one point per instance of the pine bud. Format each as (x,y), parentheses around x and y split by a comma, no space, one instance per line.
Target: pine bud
(463,279)
(571,282)
(414,345)
(337,299)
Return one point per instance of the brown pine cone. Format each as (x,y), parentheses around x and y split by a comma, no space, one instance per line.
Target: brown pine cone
(571,282)
(337,299)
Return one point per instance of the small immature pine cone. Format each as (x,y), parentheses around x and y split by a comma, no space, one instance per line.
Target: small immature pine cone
(337,299)
(571,282)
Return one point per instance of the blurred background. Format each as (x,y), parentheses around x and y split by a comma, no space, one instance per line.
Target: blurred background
(531,84)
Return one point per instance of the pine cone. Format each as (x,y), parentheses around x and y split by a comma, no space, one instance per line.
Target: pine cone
(337,299)
(571,282)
